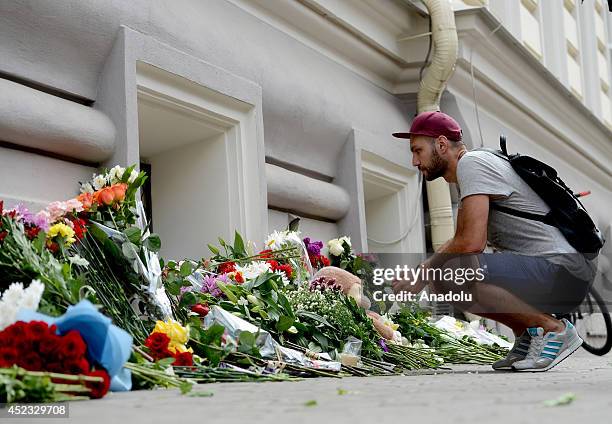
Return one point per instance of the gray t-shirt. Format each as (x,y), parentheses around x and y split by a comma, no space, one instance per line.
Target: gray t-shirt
(482,172)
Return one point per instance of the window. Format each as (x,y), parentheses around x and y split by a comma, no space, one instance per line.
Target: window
(574,71)
(602,62)
(530,27)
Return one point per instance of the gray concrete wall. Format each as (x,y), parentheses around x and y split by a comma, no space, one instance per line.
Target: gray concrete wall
(310,102)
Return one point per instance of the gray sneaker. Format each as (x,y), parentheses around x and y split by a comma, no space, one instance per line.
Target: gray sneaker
(548,350)
(517,353)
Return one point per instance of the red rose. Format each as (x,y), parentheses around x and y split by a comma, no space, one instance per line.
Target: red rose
(8,356)
(49,344)
(23,345)
(200,309)
(31,361)
(71,345)
(5,339)
(157,342)
(37,330)
(98,389)
(183,359)
(273,264)
(17,330)
(238,278)
(325,260)
(226,267)
(76,366)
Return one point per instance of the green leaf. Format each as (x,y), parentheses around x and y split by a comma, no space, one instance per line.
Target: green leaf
(153,243)
(227,292)
(188,299)
(261,279)
(174,287)
(310,403)
(133,234)
(321,339)
(213,249)
(246,340)
(200,393)
(284,322)
(129,250)
(294,225)
(315,317)
(564,399)
(239,249)
(165,363)
(186,269)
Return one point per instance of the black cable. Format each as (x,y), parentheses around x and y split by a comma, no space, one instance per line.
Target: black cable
(428,52)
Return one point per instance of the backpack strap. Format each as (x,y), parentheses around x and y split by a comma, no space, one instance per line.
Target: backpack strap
(546,219)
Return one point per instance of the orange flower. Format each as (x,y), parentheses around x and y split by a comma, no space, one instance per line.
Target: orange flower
(119,191)
(86,200)
(106,196)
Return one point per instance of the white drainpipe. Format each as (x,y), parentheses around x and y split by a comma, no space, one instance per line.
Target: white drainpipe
(444,36)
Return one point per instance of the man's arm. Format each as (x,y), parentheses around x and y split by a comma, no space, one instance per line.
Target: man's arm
(470,236)
(472,220)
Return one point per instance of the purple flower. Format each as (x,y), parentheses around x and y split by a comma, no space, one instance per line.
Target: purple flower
(210,284)
(383,345)
(23,213)
(314,248)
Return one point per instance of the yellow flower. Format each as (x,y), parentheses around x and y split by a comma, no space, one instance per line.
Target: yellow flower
(177,334)
(62,230)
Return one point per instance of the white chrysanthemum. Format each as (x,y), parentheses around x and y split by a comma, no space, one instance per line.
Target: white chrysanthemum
(335,247)
(253,269)
(87,188)
(13,294)
(283,277)
(115,174)
(275,240)
(99,181)
(8,314)
(278,239)
(30,301)
(37,287)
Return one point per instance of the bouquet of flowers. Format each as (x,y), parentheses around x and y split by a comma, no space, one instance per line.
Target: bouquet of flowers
(36,346)
(415,326)
(327,318)
(28,252)
(342,256)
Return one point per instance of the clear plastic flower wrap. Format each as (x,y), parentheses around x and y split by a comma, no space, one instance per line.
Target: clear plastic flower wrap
(268,347)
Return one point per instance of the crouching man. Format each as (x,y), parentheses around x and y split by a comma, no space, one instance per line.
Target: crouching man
(538,272)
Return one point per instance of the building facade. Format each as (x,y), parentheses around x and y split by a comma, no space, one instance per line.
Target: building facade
(251,112)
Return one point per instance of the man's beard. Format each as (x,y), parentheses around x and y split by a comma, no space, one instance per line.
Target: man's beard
(437,168)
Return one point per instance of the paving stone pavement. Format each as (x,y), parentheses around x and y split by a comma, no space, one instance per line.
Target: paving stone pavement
(466,394)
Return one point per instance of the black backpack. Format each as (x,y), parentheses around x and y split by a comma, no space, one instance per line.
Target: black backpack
(567,213)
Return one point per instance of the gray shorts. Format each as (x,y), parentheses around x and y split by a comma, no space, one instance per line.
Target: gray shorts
(547,286)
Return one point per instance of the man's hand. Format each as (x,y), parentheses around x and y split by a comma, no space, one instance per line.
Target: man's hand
(409,285)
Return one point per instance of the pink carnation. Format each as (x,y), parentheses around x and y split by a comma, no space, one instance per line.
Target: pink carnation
(57,210)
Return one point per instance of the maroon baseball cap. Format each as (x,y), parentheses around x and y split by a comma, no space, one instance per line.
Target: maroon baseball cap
(433,124)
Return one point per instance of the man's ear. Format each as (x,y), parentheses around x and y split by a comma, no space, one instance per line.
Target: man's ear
(442,144)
